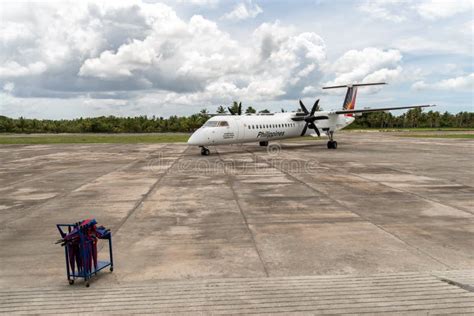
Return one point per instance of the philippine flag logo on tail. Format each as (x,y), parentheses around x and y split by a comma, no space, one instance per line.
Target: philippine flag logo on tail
(350,99)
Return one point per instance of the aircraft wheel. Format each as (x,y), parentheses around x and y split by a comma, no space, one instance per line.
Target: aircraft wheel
(205,152)
(265,143)
(332,144)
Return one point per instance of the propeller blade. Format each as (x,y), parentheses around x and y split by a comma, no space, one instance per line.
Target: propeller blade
(298,119)
(303,108)
(240,108)
(304,129)
(317,130)
(231,112)
(313,126)
(315,107)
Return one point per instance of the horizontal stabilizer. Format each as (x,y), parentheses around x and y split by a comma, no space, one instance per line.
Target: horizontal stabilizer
(382,109)
(355,85)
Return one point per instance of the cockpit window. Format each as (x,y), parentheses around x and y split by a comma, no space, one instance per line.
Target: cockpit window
(211,123)
(216,123)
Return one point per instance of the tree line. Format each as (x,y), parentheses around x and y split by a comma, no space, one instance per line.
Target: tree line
(414,118)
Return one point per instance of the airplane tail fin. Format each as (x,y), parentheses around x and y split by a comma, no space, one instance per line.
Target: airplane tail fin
(350,99)
(351,94)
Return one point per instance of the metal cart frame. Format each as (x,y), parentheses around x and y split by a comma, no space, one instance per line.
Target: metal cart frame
(65,229)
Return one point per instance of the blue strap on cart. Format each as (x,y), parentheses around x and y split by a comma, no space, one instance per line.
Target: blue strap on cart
(80,242)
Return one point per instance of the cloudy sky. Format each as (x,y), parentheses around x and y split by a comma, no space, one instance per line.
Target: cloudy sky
(61,59)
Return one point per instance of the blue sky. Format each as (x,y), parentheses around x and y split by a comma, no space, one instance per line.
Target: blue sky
(61,59)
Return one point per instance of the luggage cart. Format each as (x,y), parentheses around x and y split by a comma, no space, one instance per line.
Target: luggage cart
(80,248)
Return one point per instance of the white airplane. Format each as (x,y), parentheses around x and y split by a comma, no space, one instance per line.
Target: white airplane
(264,127)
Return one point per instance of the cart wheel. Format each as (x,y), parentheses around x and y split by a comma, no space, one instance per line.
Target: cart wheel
(71,282)
(111,269)
(87,284)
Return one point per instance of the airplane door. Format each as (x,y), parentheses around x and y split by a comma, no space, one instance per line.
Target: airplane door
(238,128)
(230,132)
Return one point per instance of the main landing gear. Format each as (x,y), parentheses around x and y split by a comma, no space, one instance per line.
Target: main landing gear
(332,144)
(264,144)
(205,151)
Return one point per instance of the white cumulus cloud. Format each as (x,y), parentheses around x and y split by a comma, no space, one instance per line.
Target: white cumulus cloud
(435,9)
(367,65)
(390,10)
(110,50)
(457,83)
(243,11)
(13,69)
(402,10)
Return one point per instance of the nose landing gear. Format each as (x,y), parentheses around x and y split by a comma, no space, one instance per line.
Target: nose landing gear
(205,151)
(332,144)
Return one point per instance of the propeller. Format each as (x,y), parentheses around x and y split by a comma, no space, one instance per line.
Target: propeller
(239,110)
(309,118)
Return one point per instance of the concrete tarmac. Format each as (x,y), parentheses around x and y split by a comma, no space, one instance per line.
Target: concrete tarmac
(379,204)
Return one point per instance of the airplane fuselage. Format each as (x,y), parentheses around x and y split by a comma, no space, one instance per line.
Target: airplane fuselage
(262,128)
(232,129)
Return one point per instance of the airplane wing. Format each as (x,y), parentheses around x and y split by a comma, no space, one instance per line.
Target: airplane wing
(382,109)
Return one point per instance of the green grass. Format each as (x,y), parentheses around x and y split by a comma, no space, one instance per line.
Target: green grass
(467,136)
(93,138)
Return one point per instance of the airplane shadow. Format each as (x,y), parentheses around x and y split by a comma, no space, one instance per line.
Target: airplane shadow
(224,150)
(260,149)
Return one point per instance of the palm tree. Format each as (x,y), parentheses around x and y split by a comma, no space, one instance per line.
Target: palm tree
(236,107)
(250,110)
(221,110)
(204,113)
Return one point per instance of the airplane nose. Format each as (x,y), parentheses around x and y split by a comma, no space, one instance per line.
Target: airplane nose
(192,139)
(197,138)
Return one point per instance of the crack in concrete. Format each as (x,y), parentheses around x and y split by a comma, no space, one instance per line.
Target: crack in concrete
(236,198)
(460,285)
(361,216)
